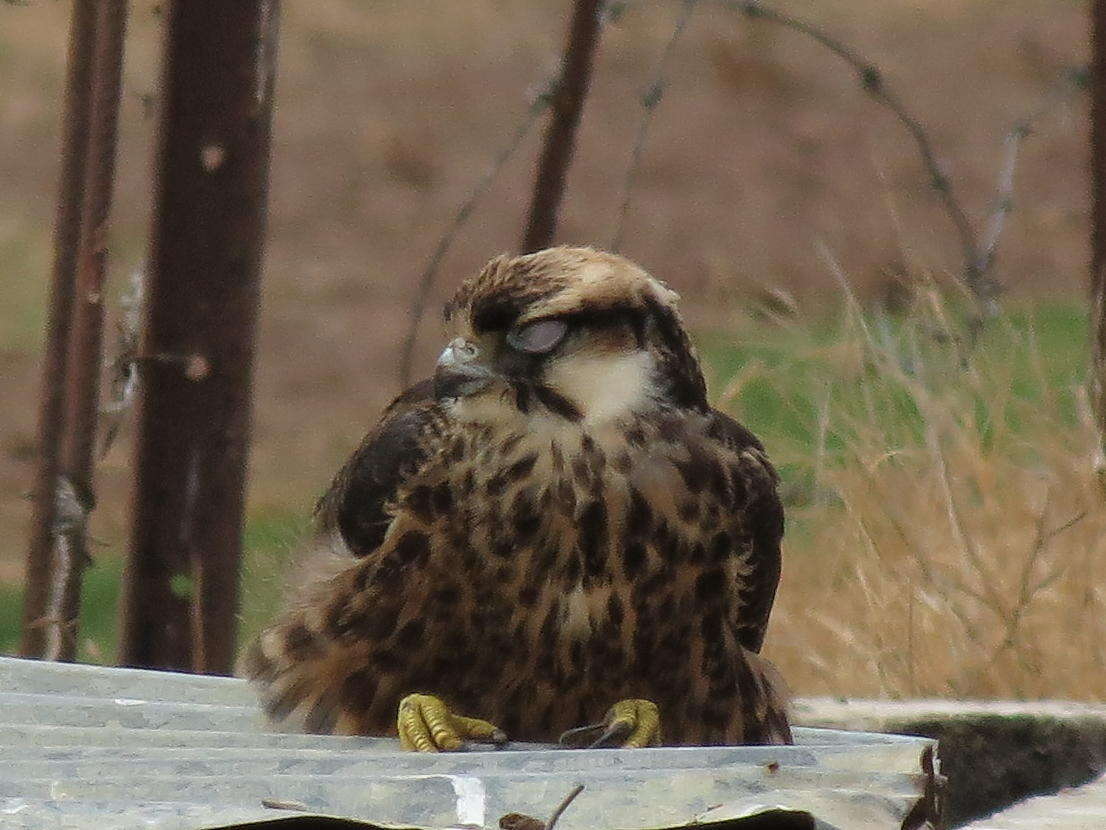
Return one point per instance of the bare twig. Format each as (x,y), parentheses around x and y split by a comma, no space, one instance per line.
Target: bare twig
(871,79)
(1004,196)
(67,232)
(1027,588)
(519,821)
(959,528)
(568,799)
(978,253)
(426,280)
(650,99)
(560,136)
(1004,202)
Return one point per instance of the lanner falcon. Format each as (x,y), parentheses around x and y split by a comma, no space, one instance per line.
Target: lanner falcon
(555,526)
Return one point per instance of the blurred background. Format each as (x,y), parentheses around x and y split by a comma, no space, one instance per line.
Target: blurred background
(945,536)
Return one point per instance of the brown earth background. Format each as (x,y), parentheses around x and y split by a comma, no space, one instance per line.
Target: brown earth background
(764,148)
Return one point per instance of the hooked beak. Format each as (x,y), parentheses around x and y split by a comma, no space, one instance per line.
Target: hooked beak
(460,372)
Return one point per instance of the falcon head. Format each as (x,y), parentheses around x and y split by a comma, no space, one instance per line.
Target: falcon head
(571,334)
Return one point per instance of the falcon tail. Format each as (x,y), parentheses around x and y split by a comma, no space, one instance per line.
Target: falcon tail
(306,678)
(770,705)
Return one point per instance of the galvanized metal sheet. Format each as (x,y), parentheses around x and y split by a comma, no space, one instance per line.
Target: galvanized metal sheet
(125,748)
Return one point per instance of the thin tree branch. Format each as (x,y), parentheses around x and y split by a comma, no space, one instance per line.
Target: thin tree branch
(1015,137)
(978,253)
(650,99)
(871,79)
(1027,590)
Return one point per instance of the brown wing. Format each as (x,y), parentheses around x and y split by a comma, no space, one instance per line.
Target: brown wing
(356,505)
(764,522)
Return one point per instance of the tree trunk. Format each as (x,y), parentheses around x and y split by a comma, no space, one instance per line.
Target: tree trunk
(1098,232)
(560,136)
(180,594)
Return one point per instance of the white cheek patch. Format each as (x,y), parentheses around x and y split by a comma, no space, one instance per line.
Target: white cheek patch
(604,386)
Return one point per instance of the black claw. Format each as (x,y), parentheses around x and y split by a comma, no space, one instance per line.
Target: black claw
(566,739)
(619,729)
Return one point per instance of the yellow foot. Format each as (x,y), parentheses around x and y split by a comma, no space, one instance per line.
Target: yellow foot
(629,724)
(426,725)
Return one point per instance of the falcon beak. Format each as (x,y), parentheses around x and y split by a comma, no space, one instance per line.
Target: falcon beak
(460,372)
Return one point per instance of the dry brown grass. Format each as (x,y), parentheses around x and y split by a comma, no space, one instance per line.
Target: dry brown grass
(954,545)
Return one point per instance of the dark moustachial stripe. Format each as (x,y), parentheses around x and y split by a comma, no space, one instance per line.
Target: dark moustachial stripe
(557,403)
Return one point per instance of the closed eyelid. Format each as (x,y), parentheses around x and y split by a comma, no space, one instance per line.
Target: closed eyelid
(539,336)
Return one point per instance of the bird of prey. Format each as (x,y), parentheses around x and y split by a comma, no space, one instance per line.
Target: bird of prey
(557,525)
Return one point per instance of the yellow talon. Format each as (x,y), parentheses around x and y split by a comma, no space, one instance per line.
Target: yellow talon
(640,718)
(426,725)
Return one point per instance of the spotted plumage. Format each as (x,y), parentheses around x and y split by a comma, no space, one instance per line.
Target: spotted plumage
(555,522)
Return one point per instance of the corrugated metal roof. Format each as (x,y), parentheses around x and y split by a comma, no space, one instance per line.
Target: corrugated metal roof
(84,745)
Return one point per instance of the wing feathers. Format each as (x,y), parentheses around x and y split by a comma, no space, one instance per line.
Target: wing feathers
(357,502)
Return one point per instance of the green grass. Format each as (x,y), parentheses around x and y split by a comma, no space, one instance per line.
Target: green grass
(99,600)
(803,391)
(270,539)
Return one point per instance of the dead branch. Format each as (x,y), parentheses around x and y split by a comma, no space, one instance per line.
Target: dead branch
(519,821)
(1069,81)
(560,137)
(67,232)
(568,799)
(86,339)
(871,79)
(978,253)
(650,99)
(1027,588)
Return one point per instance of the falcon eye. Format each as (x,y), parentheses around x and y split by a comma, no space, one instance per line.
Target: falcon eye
(539,337)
